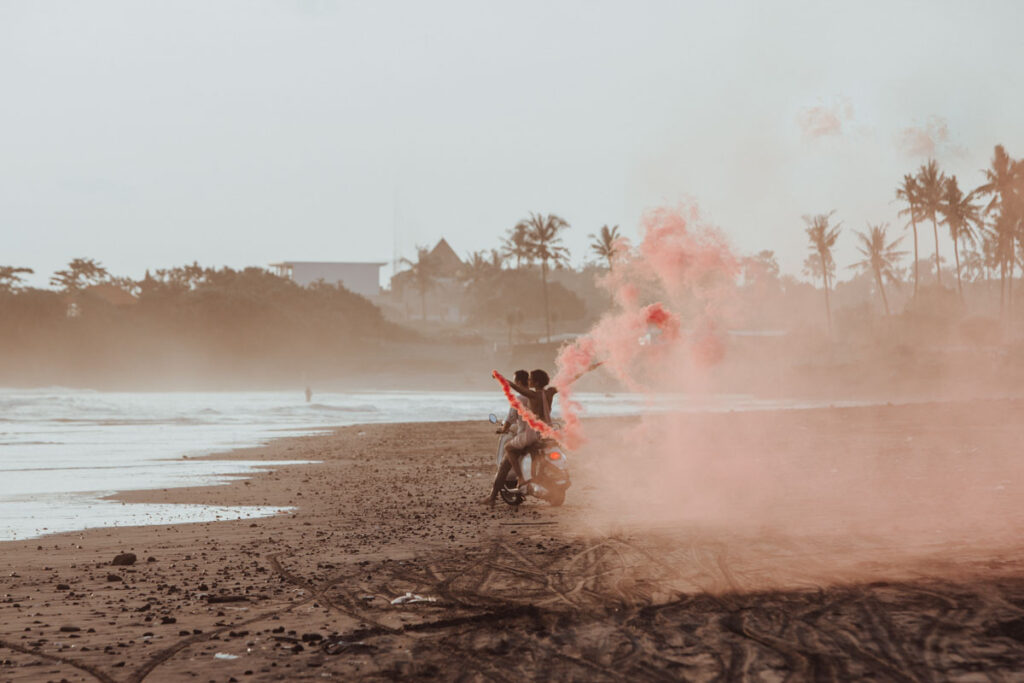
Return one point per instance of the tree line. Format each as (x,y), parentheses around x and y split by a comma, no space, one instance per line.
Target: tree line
(987,223)
(225,320)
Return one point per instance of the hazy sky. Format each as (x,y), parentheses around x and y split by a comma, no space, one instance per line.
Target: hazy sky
(151,134)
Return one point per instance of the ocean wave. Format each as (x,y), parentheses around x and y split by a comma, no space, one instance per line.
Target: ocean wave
(290,410)
(133,422)
(55,389)
(345,409)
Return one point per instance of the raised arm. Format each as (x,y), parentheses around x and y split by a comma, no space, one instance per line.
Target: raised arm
(528,393)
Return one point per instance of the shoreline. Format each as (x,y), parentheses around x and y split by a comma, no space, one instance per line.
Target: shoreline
(391,509)
(281,448)
(205,432)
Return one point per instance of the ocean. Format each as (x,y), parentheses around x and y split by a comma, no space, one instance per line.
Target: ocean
(64,451)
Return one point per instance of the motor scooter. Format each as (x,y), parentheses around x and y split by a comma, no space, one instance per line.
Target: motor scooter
(546,466)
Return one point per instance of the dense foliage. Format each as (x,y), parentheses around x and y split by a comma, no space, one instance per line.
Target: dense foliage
(191,319)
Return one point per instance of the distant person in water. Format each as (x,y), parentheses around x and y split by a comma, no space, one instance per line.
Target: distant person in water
(539,398)
(309,394)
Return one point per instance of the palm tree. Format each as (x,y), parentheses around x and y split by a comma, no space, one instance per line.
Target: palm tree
(812,267)
(423,275)
(974,265)
(477,267)
(823,237)
(1004,183)
(543,236)
(990,249)
(999,180)
(497,259)
(480,266)
(1003,237)
(516,245)
(963,218)
(931,182)
(762,269)
(606,243)
(880,257)
(11,277)
(910,192)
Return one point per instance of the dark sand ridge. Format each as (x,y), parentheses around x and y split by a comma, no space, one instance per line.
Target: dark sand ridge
(569,593)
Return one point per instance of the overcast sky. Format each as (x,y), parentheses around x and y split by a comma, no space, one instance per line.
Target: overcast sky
(151,134)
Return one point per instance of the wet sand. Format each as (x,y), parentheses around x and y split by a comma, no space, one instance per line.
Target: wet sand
(567,593)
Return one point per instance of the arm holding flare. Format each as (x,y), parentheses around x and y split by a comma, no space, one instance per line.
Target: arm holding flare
(529,418)
(524,391)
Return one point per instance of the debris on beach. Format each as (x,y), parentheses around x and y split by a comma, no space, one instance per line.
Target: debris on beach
(411,598)
(124,560)
(338,646)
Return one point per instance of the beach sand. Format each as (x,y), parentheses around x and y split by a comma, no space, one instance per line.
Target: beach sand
(564,593)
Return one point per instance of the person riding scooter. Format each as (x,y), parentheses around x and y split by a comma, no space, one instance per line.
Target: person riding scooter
(508,430)
(539,396)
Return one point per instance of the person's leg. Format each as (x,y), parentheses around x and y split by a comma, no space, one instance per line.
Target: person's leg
(499,479)
(515,456)
(519,446)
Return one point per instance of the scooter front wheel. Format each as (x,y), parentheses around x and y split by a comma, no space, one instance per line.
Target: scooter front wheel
(511,496)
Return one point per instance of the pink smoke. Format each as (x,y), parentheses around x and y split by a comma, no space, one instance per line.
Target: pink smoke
(925,140)
(670,292)
(824,120)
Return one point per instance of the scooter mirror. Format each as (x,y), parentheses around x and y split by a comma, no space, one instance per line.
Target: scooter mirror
(493,418)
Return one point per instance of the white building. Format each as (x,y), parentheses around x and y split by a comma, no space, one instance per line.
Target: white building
(361,278)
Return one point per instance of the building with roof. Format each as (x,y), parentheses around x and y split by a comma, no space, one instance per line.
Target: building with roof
(442,300)
(360,277)
(444,261)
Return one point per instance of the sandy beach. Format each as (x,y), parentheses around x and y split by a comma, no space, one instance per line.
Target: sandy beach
(595,590)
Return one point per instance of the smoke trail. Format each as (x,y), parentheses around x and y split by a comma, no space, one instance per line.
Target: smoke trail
(928,139)
(772,499)
(682,270)
(824,120)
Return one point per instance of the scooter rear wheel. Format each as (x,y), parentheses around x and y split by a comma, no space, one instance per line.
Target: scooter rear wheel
(557,497)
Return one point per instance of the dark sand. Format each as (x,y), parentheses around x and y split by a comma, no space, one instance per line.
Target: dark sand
(541,592)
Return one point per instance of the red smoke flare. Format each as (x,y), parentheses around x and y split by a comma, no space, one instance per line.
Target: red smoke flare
(686,265)
(538,425)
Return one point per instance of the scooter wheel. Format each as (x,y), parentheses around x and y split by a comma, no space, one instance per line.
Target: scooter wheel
(557,497)
(511,497)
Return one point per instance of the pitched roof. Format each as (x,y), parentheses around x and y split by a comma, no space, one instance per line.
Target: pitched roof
(446,261)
